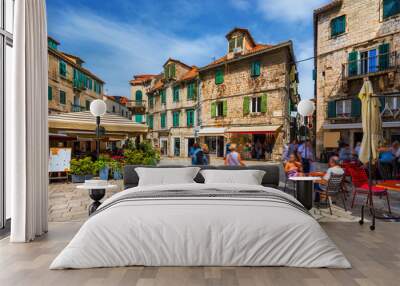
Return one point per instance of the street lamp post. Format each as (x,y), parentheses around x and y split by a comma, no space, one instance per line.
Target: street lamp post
(306,108)
(98,108)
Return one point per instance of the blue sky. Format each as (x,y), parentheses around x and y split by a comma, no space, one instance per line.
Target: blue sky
(120,38)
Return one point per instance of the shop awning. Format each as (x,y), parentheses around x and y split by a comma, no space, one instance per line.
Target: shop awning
(260,129)
(388,124)
(212,131)
(85,121)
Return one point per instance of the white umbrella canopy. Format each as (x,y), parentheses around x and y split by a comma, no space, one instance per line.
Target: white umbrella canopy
(371,123)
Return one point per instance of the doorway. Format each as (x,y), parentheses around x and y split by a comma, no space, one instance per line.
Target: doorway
(191,142)
(164,147)
(220,148)
(177,147)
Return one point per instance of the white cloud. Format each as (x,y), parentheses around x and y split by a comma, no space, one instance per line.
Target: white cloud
(289,10)
(240,4)
(116,51)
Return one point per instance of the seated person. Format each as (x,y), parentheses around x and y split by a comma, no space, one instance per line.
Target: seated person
(345,153)
(334,168)
(293,167)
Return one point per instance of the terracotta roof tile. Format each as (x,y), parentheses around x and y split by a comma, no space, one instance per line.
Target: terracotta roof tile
(139,79)
(191,74)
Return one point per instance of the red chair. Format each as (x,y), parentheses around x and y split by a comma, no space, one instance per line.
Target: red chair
(359,179)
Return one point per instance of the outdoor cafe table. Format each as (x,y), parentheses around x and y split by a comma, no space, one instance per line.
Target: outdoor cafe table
(304,189)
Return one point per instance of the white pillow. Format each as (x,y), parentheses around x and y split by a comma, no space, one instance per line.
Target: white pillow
(166,176)
(248,177)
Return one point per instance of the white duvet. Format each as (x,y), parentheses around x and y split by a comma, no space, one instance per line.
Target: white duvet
(200,232)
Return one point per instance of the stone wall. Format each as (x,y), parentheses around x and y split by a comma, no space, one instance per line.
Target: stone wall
(67,203)
(365,29)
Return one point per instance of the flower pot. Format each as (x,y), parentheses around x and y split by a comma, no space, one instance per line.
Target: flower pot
(77,178)
(80,178)
(103,173)
(117,175)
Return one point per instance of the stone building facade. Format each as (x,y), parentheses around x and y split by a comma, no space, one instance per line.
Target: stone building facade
(247,97)
(71,86)
(354,41)
(170,107)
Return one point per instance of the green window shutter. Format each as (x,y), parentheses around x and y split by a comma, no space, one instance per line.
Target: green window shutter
(87,105)
(331,109)
(382,101)
(190,118)
(138,118)
(338,26)
(383,56)
(163,96)
(138,96)
(49,93)
(264,103)
(166,72)
(225,108)
(246,105)
(163,121)
(191,91)
(176,94)
(314,74)
(63,99)
(219,76)
(63,68)
(231,45)
(195,90)
(353,63)
(390,8)
(355,107)
(175,117)
(213,109)
(150,121)
(255,68)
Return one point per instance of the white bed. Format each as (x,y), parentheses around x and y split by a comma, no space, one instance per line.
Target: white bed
(201,231)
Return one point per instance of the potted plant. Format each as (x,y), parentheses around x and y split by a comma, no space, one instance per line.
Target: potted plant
(102,166)
(116,168)
(81,170)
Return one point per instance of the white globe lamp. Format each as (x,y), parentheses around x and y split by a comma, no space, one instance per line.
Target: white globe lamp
(98,107)
(306,107)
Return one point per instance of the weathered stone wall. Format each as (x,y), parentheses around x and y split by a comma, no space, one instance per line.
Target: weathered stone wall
(238,84)
(365,29)
(67,203)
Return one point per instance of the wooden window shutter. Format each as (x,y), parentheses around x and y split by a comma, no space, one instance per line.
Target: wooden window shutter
(355,107)
(246,105)
(219,76)
(166,72)
(383,56)
(225,108)
(255,68)
(331,109)
(353,63)
(173,70)
(49,93)
(213,109)
(264,103)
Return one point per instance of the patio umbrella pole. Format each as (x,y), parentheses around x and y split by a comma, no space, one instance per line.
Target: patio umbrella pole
(371,205)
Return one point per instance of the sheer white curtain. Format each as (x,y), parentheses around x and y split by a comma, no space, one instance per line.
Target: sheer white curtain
(26,123)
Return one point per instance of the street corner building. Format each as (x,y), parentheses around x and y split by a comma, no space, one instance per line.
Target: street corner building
(245,97)
(354,41)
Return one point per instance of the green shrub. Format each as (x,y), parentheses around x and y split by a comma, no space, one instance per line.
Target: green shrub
(82,167)
(141,154)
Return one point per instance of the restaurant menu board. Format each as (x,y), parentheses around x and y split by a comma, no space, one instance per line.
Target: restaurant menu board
(59,159)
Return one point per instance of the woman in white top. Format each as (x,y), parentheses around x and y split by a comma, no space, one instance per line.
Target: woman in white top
(233,158)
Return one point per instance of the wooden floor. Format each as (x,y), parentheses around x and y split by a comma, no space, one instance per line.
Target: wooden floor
(375,257)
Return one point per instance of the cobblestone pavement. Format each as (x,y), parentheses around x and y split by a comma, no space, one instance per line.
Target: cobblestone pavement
(67,203)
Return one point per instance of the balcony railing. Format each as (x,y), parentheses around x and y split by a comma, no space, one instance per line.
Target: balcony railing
(370,65)
(77,108)
(136,106)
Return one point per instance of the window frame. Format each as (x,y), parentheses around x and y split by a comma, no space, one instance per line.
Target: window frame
(219,105)
(391,16)
(175,94)
(64,96)
(257,101)
(176,115)
(345,106)
(190,111)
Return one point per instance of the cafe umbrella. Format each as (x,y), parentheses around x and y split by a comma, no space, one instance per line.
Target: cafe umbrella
(372,138)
